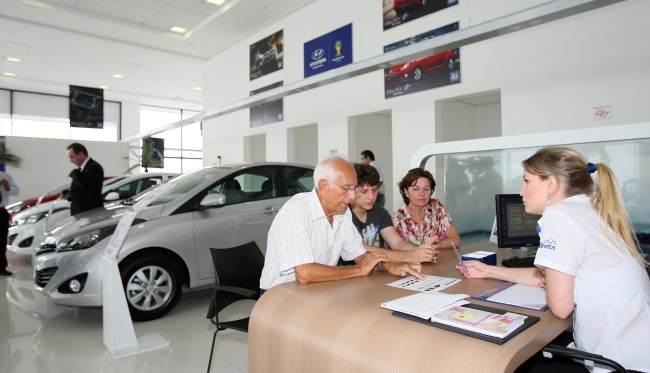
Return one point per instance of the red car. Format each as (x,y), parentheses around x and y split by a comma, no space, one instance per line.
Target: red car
(416,68)
(397,4)
(51,195)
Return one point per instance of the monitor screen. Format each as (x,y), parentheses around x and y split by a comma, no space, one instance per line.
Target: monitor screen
(515,227)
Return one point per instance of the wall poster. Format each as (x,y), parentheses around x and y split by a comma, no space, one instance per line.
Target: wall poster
(268,112)
(436,70)
(266,55)
(397,12)
(86,107)
(328,51)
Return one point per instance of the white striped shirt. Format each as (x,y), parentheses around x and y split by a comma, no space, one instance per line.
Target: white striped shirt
(301,234)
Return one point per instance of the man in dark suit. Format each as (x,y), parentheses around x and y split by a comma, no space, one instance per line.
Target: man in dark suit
(86,188)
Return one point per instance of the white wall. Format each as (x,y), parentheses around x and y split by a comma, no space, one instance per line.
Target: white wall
(549,77)
(45,164)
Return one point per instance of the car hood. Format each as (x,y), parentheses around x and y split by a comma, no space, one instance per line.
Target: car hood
(43,207)
(100,217)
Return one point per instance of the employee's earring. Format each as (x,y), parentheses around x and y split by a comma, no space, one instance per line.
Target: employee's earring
(548,199)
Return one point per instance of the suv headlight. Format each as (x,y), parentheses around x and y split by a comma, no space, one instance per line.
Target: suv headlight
(31,219)
(84,240)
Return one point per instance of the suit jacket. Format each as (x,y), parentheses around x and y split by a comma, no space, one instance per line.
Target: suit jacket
(86,188)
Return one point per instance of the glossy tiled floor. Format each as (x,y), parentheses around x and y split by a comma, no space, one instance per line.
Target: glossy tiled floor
(37,335)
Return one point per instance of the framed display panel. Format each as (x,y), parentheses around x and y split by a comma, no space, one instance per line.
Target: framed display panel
(266,55)
(397,12)
(268,112)
(432,71)
(86,107)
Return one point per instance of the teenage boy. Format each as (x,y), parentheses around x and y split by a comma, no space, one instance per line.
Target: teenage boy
(375,224)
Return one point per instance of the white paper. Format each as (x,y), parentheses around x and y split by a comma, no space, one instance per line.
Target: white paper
(424,305)
(429,284)
(531,297)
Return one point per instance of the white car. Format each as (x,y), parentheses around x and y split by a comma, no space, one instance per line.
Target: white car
(27,228)
(168,245)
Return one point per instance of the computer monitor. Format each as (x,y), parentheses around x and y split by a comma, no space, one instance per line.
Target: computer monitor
(516,229)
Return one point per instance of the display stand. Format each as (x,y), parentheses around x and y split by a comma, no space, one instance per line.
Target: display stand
(119,334)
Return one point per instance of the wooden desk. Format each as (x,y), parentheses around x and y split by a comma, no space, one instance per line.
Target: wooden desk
(339,327)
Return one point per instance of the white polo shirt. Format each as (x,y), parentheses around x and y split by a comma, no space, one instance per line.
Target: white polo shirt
(301,234)
(611,291)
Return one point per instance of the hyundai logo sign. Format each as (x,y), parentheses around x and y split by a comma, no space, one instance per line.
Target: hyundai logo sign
(317,54)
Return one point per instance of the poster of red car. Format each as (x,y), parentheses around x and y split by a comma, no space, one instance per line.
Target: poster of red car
(432,71)
(397,12)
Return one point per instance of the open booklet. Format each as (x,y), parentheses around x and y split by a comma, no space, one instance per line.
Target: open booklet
(479,321)
(452,312)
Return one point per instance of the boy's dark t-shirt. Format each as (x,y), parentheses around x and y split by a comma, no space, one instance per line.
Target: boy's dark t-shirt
(378,218)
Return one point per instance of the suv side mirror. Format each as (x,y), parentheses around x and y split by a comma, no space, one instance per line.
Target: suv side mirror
(213,200)
(112,196)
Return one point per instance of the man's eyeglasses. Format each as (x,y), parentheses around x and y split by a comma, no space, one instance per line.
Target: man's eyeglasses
(347,188)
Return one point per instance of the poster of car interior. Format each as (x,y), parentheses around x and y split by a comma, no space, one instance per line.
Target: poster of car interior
(86,107)
(397,12)
(436,70)
(328,51)
(266,55)
(268,112)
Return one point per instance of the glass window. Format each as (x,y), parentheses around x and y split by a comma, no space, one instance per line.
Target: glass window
(183,146)
(298,180)
(471,181)
(47,116)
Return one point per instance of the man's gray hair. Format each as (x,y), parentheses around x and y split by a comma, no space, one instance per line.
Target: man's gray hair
(327,168)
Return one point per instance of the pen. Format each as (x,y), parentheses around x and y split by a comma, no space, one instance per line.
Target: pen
(453,245)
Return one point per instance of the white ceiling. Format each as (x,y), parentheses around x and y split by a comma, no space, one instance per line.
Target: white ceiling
(86,42)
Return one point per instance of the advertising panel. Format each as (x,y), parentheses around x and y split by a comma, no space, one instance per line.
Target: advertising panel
(397,12)
(153,152)
(436,70)
(266,55)
(268,112)
(86,107)
(329,51)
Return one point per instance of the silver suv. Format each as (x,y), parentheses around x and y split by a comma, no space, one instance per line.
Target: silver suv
(168,244)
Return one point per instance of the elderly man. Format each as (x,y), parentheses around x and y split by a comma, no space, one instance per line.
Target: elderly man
(314,229)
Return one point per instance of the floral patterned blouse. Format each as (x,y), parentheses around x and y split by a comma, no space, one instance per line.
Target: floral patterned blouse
(436,221)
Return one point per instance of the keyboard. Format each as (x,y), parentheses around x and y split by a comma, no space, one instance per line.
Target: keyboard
(515,262)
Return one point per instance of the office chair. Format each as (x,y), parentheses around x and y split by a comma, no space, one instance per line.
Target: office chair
(561,351)
(237,277)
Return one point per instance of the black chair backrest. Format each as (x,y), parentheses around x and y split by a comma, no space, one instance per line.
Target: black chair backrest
(239,266)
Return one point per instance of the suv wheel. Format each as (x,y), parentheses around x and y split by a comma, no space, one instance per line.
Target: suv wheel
(152,287)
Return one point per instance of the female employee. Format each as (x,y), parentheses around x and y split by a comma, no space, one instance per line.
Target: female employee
(588,257)
(423,220)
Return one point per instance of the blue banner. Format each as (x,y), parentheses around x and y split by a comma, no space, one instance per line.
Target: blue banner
(329,51)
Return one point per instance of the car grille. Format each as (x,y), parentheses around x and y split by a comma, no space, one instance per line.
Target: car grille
(45,248)
(11,238)
(42,277)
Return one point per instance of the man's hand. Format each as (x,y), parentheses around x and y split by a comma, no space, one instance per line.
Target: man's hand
(368,261)
(403,269)
(5,184)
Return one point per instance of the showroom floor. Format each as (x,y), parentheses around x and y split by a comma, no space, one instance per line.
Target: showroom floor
(37,335)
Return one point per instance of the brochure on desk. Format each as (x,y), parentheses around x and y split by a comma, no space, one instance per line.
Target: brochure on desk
(524,322)
(511,294)
(430,283)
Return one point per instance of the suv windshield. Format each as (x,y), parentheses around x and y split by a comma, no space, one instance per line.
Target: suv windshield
(181,185)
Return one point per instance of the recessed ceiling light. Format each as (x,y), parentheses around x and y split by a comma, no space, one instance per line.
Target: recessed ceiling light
(118,76)
(178,29)
(8,74)
(216,2)
(198,88)
(103,87)
(13,59)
